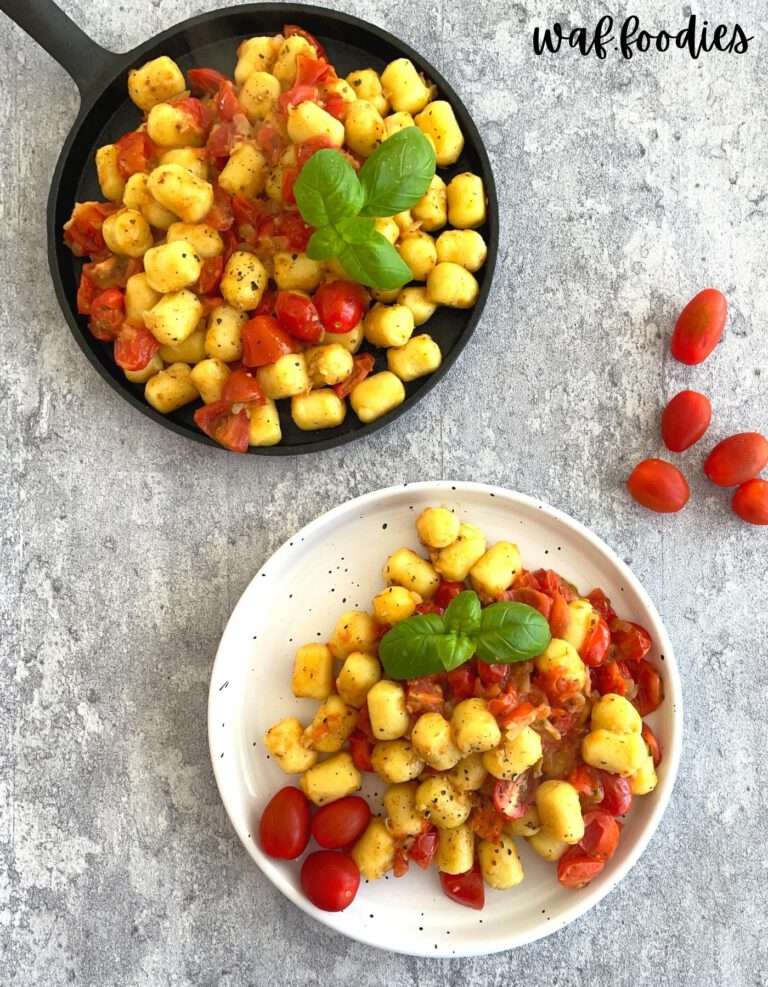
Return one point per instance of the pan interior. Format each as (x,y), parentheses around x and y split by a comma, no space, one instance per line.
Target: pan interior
(212,41)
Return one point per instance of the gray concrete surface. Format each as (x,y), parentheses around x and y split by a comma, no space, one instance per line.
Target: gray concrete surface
(625,187)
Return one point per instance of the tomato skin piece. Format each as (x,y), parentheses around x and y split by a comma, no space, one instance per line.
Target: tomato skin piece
(750,502)
(330,880)
(220,423)
(533,598)
(341,305)
(264,341)
(659,486)
(82,231)
(602,604)
(575,869)
(617,795)
(362,365)
(492,674)
(205,81)
(290,29)
(601,834)
(360,747)
(135,151)
(613,676)
(284,824)
(242,387)
(465,889)
(632,642)
(447,591)
(461,681)
(424,848)
(340,823)
(107,314)
(559,616)
(595,649)
(210,275)
(737,459)
(297,314)
(650,689)
(135,345)
(653,744)
(587,782)
(699,327)
(86,292)
(685,419)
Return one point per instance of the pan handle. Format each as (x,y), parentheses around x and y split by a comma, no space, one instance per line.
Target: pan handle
(49,26)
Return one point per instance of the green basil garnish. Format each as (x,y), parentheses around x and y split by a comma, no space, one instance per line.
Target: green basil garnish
(427,644)
(397,174)
(328,189)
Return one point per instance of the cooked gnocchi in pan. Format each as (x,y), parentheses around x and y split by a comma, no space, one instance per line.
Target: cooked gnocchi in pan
(531,736)
(196,266)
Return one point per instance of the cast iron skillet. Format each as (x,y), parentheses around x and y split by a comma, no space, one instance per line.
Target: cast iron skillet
(210,40)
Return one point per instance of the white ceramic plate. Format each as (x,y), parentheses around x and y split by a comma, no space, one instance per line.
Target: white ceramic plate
(334,564)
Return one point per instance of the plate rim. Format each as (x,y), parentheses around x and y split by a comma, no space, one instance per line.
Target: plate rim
(587,898)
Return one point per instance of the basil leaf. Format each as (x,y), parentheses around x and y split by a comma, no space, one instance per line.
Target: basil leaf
(463,613)
(327,190)
(324,244)
(453,649)
(375,262)
(411,647)
(397,174)
(355,229)
(511,632)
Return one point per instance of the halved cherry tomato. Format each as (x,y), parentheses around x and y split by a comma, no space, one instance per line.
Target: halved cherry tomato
(699,326)
(601,834)
(340,823)
(559,616)
(512,798)
(135,345)
(264,341)
(653,744)
(86,292)
(737,459)
(462,681)
(447,591)
(225,426)
(685,419)
(602,604)
(617,797)
(595,648)
(533,598)
(631,641)
(552,583)
(284,824)
(221,139)
(112,272)
(290,29)
(313,71)
(221,216)
(242,387)
(613,676)
(575,869)
(492,674)
(297,314)
(341,305)
(210,274)
(247,212)
(107,314)
(205,81)
(362,365)
(424,848)
(587,782)
(465,889)
(135,151)
(750,502)
(297,94)
(330,880)
(650,691)
(227,104)
(291,226)
(360,747)
(659,486)
(82,231)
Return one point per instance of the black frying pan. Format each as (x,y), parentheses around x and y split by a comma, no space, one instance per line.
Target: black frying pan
(210,40)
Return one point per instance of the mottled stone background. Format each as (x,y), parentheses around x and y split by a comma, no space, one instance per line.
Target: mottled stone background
(624,187)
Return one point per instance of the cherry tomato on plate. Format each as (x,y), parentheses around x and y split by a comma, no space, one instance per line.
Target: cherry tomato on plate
(737,459)
(659,486)
(297,314)
(699,326)
(632,642)
(447,591)
(264,341)
(424,848)
(612,676)
(134,153)
(492,674)
(617,795)
(225,426)
(362,365)
(290,29)
(750,502)
(512,798)
(341,305)
(602,604)
(465,889)
(107,314)
(559,616)
(650,690)
(601,834)
(284,824)
(575,869)
(86,292)
(595,648)
(653,744)
(533,598)
(340,823)
(242,387)
(360,747)
(82,233)
(462,681)
(587,782)
(330,880)
(685,419)
(135,345)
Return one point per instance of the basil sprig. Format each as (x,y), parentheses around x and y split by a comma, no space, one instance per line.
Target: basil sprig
(426,644)
(341,205)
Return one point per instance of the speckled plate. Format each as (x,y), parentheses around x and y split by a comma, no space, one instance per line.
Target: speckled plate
(333,564)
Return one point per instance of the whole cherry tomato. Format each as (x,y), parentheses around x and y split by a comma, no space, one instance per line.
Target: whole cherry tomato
(685,419)
(750,502)
(284,824)
(340,305)
(699,327)
(330,880)
(737,459)
(297,314)
(617,795)
(341,822)
(465,889)
(601,834)
(575,869)
(659,486)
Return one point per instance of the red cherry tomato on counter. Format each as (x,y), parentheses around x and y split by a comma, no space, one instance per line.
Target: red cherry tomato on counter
(330,880)
(601,834)
(659,486)
(340,823)
(617,795)
(465,889)
(750,502)
(297,314)
(685,419)
(699,326)
(737,459)
(341,305)
(284,824)
(575,869)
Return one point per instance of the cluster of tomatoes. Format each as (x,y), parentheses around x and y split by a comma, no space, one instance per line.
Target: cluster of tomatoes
(735,462)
